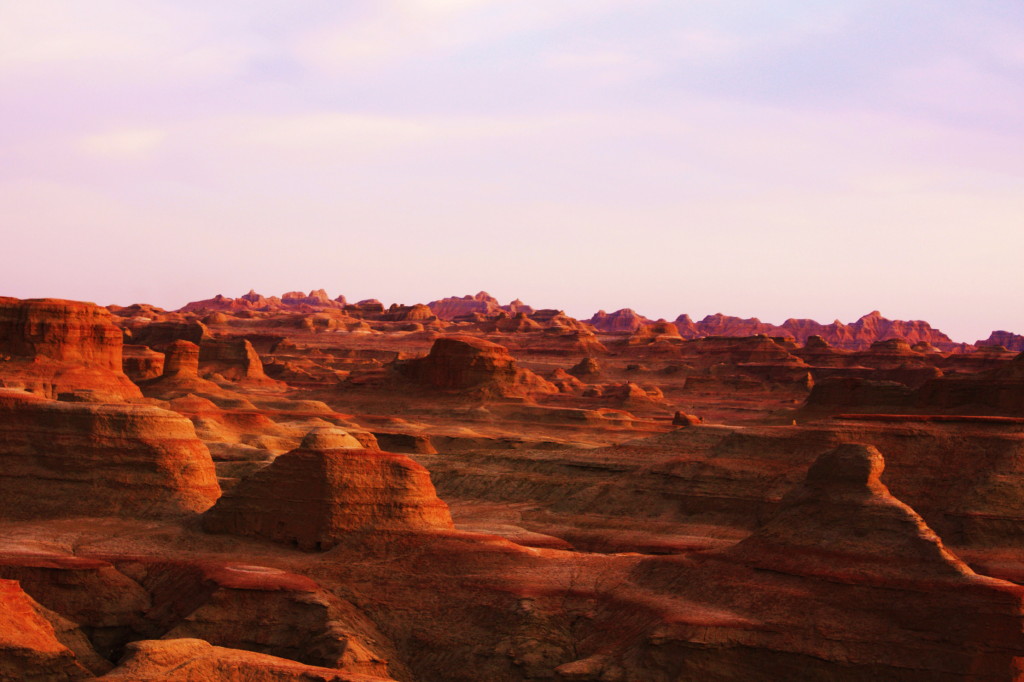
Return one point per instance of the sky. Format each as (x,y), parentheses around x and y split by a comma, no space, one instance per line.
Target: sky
(805,158)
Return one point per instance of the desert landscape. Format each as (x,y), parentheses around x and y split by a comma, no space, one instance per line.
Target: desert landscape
(739,398)
(304,488)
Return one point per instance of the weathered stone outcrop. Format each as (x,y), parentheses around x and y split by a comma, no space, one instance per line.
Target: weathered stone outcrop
(465,363)
(456,307)
(181,359)
(194,660)
(843,523)
(80,459)
(408,313)
(857,335)
(997,391)
(51,346)
(841,554)
(651,332)
(625,320)
(586,368)
(29,647)
(325,490)
(1006,339)
(181,374)
(141,363)
(159,335)
(107,605)
(297,619)
(845,393)
(234,359)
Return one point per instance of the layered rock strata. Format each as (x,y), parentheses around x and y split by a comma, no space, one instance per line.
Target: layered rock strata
(82,459)
(322,492)
(51,346)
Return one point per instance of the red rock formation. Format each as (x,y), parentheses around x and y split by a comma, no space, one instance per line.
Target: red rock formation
(683,419)
(518,323)
(687,328)
(51,346)
(461,363)
(624,320)
(586,368)
(1007,340)
(843,555)
(75,459)
(843,524)
(181,374)
(516,306)
(651,332)
(250,301)
(193,660)
(159,335)
(837,394)
(995,391)
(725,325)
(182,359)
(368,307)
(29,648)
(107,605)
(234,359)
(325,491)
(297,619)
(857,335)
(137,310)
(566,382)
(455,307)
(314,300)
(217,318)
(141,363)
(317,298)
(403,313)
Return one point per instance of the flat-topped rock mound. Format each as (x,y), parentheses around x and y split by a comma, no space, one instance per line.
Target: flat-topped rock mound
(61,459)
(318,494)
(467,363)
(52,346)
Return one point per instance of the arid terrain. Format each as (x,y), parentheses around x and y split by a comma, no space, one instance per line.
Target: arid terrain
(304,488)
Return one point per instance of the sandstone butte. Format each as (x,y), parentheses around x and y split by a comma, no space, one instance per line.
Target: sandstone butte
(327,490)
(52,346)
(298,487)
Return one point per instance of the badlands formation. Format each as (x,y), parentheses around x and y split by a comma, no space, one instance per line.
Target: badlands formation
(304,488)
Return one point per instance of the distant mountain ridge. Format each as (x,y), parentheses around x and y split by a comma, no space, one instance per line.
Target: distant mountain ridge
(857,335)
(853,336)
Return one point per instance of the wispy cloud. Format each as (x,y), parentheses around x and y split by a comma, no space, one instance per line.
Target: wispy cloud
(720,144)
(125,144)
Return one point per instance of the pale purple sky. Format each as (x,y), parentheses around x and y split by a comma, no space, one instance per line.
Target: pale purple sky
(784,159)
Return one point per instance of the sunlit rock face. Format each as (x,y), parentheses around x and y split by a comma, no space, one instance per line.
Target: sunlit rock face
(52,346)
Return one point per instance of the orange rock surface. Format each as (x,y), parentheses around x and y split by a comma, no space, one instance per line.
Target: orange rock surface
(51,346)
(328,489)
(614,499)
(84,459)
